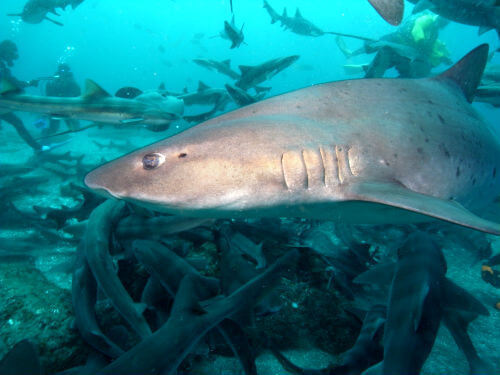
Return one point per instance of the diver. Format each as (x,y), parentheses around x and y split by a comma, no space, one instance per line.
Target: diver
(413,49)
(63,85)
(490,272)
(8,54)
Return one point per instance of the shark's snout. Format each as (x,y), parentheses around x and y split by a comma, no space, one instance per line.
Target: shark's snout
(95,181)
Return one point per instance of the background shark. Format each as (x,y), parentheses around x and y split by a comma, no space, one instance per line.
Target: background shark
(96,105)
(362,151)
(35,11)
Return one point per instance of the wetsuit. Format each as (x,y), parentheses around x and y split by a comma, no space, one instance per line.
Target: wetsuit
(418,36)
(13,119)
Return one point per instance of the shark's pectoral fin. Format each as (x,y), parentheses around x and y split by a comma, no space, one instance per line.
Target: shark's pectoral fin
(390,10)
(457,300)
(396,195)
(381,274)
(54,21)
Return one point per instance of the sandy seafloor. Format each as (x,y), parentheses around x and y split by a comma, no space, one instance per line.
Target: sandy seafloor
(43,286)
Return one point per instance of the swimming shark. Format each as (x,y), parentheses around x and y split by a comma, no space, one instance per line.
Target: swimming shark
(96,105)
(297,24)
(223,67)
(390,10)
(251,76)
(359,151)
(241,97)
(232,33)
(35,11)
(206,95)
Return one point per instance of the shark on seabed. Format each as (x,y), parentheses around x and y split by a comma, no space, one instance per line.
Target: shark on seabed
(359,151)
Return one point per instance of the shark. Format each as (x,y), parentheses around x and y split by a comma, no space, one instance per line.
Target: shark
(232,33)
(241,97)
(251,76)
(35,11)
(356,151)
(223,67)
(95,105)
(206,95)
(390,10)
(296,24)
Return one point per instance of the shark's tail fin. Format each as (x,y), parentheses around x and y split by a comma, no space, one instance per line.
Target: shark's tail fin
(467,73)
(274,15)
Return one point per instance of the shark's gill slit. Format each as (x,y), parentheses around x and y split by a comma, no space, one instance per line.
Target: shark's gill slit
(343,164)
(307,180)
(323,165)
(283,171)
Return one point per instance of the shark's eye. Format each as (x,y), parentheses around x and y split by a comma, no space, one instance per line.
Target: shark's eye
(153,160)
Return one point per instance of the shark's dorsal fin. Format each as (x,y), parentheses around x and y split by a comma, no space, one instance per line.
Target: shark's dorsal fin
(8,87)
(468,71)
(162,86)
(244,68)
(390,10)
(226,62)
(297,14)
(284,13)
(94,91)
(202,86)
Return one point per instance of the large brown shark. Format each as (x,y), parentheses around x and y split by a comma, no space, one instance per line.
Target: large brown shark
(361,151)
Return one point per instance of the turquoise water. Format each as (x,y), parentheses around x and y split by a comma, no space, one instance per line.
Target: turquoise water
(143,44)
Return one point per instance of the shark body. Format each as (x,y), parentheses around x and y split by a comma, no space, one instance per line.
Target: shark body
(360,151)
(96,105)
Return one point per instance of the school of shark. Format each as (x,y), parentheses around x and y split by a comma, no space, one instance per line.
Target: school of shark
(250,187)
